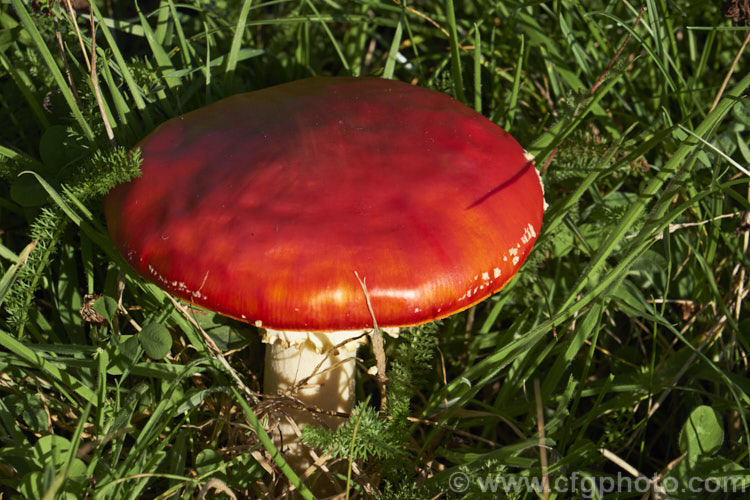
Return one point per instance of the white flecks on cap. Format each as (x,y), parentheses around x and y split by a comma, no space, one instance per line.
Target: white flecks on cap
(530,158)
(514,253)
(528,234)
(180,286)
(156,275)
(496,272)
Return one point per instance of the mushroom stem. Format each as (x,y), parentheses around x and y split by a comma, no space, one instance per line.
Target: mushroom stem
(322,366)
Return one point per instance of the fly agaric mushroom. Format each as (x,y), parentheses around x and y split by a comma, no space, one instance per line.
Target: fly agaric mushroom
(264,205)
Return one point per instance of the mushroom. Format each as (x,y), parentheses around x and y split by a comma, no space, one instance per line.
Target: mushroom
(270,207)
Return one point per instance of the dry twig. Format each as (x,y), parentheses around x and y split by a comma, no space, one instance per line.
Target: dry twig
(215,351)
(377,344)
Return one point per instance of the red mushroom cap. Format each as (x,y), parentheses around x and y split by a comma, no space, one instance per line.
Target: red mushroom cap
(263,206)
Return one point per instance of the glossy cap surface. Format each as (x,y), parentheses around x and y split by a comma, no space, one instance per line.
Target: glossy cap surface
(263,205)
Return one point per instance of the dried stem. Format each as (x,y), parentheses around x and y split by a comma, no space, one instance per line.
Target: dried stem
(377,345)
(729,73)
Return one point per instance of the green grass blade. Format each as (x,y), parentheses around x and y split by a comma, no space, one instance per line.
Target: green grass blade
(457,73)
(25,354)
(185,49)
(23,86)
(133,88)
(332,39)
(477,69)
(653,55)
(390,63)
(270,448)
(164,63)
(517,74)
(54,69)
(239,33)
(10,275)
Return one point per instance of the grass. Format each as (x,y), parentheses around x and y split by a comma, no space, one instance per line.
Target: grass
(619,351)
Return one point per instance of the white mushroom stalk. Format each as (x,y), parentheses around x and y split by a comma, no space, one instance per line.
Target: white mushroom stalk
(318,369)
